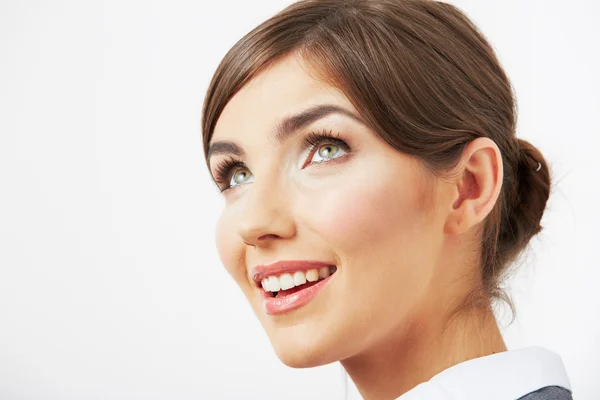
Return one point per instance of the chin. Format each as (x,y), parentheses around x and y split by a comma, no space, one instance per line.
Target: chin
(302,358)
(302,348)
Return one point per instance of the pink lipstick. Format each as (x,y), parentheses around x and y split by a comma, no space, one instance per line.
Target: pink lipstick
(288,285)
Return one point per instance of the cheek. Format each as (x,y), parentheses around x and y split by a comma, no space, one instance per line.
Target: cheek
(371,210)
(384,231)
(228,246)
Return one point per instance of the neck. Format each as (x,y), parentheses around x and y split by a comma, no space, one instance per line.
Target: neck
(416,353)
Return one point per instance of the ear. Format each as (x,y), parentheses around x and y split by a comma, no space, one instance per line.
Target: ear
(476,187)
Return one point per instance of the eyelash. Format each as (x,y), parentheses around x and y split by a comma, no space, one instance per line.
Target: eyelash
(311,141)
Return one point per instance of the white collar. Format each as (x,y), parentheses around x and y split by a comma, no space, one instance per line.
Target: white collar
(501,376)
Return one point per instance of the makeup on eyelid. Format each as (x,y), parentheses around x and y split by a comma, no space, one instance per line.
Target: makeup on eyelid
(223,170)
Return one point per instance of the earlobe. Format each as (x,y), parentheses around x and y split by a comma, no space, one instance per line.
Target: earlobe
(476,187)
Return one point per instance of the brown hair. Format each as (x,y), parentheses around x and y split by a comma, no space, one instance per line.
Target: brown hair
(425,79)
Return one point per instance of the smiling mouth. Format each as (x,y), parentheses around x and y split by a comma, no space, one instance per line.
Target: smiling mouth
(289,283)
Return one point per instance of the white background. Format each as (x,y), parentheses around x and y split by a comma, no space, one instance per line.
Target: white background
(110,284)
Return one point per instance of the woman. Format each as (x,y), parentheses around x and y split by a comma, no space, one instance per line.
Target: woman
(376,195)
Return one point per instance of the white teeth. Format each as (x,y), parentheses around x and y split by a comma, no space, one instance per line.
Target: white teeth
(273,284)
(299,278)
(312,275)
(286,281)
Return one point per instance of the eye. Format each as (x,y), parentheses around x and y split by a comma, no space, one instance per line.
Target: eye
(328,147)
(231,173)
(327,152)
(239,177)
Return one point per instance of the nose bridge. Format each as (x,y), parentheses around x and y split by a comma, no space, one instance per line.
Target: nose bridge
(265,212)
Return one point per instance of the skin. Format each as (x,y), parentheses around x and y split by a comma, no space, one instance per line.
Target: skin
(404,241)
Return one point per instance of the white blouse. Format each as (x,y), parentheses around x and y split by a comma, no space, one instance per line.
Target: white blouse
(501,376)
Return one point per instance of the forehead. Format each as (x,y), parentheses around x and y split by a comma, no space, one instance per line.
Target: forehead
(284,88)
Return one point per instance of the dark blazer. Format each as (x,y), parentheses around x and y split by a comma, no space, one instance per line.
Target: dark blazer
(549,393)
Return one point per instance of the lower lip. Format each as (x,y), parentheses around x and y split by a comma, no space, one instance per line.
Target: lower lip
(280,305)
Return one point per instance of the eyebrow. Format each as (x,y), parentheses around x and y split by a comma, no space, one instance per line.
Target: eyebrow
(285,128)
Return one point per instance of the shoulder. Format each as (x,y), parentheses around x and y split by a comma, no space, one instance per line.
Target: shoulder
(549,393)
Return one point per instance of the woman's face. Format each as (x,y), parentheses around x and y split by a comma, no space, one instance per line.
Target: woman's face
(352,202)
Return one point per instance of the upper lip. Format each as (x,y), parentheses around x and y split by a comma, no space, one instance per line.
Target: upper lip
(260,272)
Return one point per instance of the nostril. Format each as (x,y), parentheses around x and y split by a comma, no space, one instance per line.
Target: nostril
(267,236)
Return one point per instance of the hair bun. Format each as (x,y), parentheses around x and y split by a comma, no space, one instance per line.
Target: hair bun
(526,204)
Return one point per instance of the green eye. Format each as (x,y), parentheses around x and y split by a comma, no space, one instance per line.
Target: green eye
(327,152)
(239,177)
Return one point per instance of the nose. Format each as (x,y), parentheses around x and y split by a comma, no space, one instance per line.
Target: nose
(265,215)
